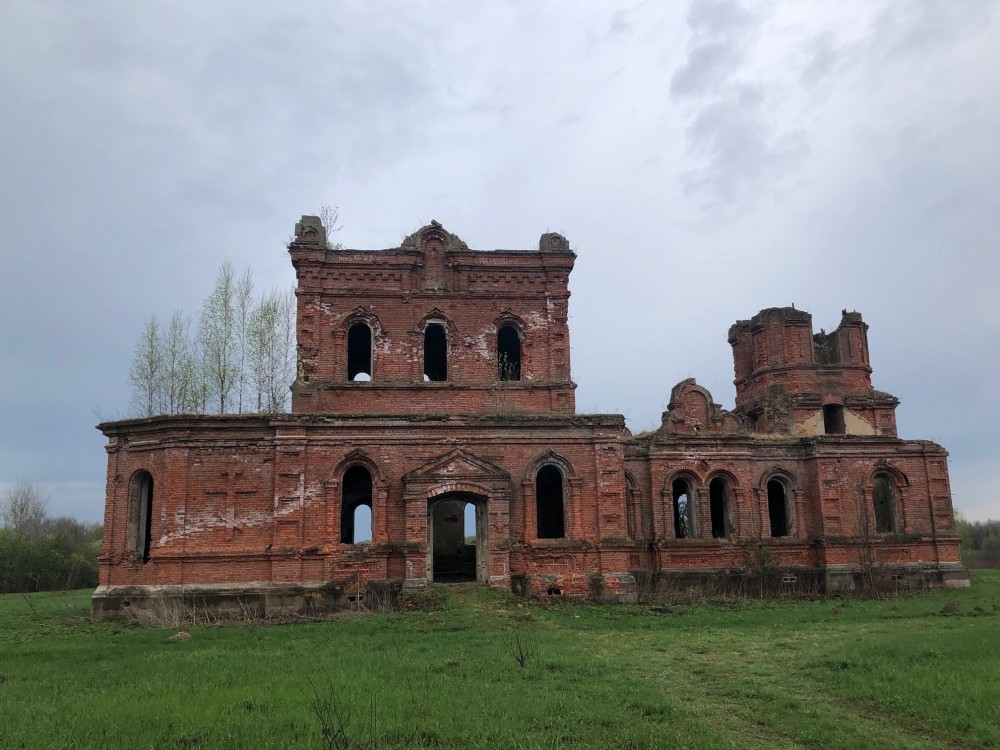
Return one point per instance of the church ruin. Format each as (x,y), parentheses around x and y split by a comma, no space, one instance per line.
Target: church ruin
(434,402)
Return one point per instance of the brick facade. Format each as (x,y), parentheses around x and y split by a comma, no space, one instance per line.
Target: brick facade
(433,379)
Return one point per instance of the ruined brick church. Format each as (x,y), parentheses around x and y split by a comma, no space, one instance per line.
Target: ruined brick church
(434,384)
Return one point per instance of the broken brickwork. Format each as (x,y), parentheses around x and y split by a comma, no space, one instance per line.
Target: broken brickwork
(434,384)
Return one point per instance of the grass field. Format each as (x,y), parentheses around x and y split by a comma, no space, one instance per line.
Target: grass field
(894,673)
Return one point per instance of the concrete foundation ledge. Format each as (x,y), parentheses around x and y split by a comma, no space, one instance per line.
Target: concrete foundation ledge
(603,588)
(250,601)
(897,577)
(783,581)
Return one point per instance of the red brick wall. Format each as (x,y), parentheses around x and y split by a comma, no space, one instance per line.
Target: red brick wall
(247,500)
(435,278)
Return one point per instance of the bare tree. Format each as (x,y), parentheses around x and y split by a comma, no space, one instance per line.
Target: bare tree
(146,375)
(22,509)
(329,216)
(217,336)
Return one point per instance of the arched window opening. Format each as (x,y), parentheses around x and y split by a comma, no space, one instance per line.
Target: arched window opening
(718,500)
(884,500)
(144,515)
(833,419)
(549,503)
(362,524)
(777,508)
(683,509)
(359,352)
(435,352)
(508,353)
(356,492)
(469,523)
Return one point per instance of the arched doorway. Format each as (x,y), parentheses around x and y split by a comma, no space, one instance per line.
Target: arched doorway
(457,539)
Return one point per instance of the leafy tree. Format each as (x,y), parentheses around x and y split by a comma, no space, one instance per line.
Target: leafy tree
(39,553)
(241,356)
(217,336)
(272,350)
(244,311)
(980,542)
(146,375)
(180,384)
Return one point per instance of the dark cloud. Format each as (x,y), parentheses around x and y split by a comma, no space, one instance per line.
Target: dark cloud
(705,161)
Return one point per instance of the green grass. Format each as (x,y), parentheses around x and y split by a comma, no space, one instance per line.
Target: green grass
(893,673)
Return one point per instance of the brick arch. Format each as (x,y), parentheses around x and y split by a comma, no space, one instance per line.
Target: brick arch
(361,315)
(434,234)
(549,457)
(359,457)
(456,487)
(730,477)
(884,467)
(508,318)
(782,474)
(690,475)
(436,315)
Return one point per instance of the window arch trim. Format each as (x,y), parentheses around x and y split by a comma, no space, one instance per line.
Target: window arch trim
(512,367)
(348,510)
(569,489)
(550,457)
(376,333)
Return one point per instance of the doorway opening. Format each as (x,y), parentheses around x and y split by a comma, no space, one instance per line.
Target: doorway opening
(457,539)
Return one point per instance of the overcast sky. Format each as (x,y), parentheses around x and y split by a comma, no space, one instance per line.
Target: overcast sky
(705,159)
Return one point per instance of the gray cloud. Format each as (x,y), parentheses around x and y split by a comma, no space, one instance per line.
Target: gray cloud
(705,162)
(707,68)
(731,131)
(741,149)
